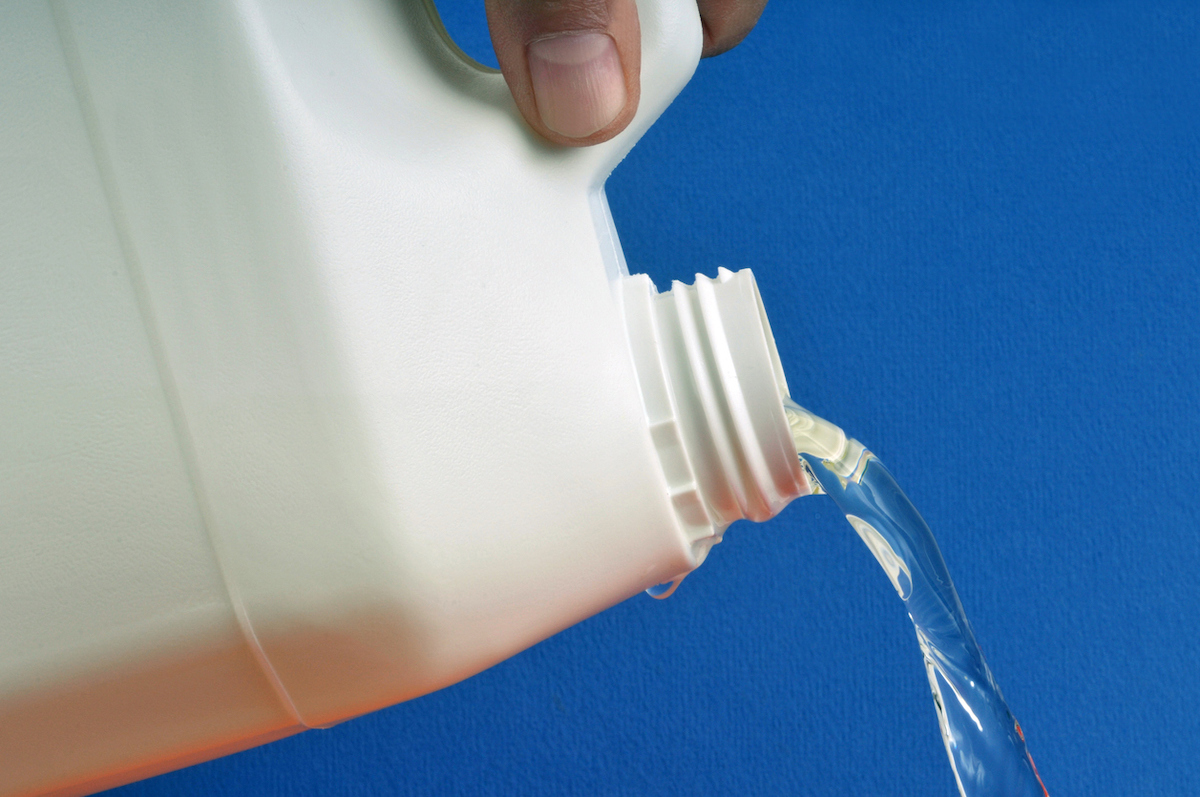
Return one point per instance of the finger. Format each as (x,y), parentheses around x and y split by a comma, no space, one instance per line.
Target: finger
(727,22)
(572,65)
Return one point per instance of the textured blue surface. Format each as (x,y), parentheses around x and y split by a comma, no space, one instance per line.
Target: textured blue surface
(976,228)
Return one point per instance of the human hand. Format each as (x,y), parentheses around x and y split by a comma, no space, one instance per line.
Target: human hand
(573,66)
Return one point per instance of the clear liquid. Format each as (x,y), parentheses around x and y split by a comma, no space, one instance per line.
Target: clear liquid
(983,740)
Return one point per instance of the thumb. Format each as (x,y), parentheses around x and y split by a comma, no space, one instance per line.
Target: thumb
(572,65)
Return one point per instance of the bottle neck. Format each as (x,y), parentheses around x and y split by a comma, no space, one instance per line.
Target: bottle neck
(714,391)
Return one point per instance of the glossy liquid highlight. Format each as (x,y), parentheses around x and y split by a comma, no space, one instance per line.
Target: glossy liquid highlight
(983,740)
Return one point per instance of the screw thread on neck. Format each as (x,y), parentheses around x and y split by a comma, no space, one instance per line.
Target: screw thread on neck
(714,393)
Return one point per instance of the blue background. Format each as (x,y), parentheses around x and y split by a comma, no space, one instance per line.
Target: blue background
(976,228)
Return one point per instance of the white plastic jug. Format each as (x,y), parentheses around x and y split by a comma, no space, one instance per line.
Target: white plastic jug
(323,383)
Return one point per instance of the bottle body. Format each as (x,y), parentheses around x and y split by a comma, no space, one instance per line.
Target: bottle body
(318,394)
(320,386)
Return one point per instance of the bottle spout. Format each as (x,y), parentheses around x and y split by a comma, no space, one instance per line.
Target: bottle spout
(713,390)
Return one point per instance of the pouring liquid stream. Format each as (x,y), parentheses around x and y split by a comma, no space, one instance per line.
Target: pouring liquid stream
(983,740)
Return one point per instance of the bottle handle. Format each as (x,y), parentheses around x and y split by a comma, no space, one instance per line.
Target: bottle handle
(672,39)
(671,42)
